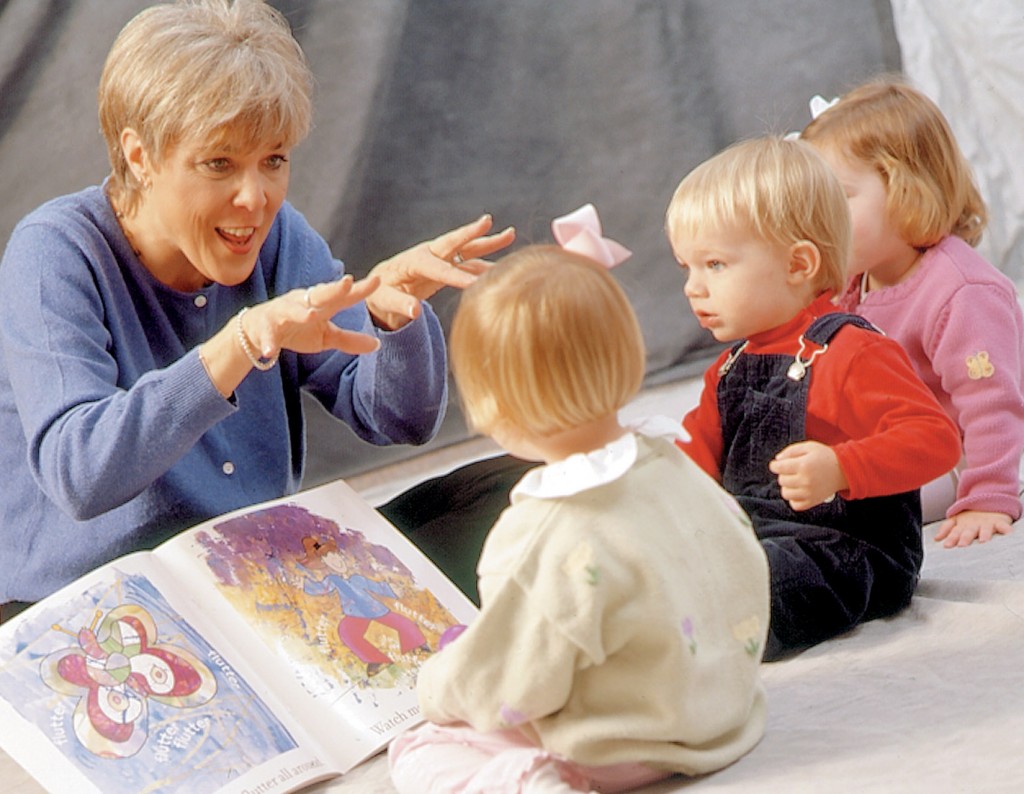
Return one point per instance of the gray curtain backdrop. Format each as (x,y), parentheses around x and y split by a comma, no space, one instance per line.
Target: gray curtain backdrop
(430,112)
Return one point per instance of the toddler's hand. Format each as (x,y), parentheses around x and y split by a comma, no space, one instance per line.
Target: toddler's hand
(973,525)
(808,473)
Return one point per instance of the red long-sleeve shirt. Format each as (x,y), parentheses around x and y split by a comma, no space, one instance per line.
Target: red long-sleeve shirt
(865,401)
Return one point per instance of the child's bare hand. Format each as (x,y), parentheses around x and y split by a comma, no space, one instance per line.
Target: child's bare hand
(973,525)
(808,473)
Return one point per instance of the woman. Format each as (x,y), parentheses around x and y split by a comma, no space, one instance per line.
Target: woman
(157,330)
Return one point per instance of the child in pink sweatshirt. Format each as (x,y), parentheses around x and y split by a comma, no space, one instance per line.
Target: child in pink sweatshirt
(915,274)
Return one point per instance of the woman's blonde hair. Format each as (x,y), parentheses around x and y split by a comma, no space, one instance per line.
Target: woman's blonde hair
(199,69)
(544,342)
(897,130)
(781,190)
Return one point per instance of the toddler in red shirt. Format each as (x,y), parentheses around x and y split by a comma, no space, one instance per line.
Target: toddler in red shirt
(814,420)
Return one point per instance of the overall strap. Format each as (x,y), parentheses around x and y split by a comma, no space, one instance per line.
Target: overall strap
(737,348)
(820,333)
(825,327)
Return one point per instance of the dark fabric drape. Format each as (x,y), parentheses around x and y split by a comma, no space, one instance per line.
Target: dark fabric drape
(430,112)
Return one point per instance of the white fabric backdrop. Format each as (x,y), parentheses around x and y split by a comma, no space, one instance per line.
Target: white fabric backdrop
(969,58)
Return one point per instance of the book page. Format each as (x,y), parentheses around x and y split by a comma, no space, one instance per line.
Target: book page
(107,687)
(278,644)
(346,606)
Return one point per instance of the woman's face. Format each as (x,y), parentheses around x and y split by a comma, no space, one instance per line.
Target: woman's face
(208,211)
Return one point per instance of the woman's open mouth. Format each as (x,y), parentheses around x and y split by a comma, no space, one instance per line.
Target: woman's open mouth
(238,238)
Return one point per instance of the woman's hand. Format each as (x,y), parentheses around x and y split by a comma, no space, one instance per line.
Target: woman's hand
(299,320)
(453,259)
(809,474)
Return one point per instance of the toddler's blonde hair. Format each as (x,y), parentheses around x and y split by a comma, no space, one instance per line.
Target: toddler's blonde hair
(202,69)
(546,341)
(897,130)
(780,190)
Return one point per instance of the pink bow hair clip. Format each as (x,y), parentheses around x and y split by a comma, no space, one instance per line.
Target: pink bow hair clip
(580,232)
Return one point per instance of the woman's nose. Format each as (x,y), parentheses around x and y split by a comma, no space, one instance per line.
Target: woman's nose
(252,190)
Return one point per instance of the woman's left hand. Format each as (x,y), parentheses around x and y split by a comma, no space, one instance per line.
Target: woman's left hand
(453,259)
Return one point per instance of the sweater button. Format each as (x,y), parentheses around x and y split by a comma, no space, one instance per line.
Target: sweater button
(228,468)
(199,301)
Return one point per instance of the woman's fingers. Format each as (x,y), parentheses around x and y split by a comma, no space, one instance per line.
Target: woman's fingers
(453,259)
(393,306)
(351,342)
(331,297)
(470,241)
(301,319)
(479,247)
(406,279)
(447,245)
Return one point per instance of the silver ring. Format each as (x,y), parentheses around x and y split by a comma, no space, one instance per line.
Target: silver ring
(306,300)
(457,259)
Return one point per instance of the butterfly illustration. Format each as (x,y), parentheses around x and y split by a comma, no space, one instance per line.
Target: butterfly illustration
(116,669)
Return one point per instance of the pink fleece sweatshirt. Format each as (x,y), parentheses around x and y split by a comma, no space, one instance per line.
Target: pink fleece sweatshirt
(960,322)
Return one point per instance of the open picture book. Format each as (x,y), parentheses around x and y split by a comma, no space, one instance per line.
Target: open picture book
(260,651)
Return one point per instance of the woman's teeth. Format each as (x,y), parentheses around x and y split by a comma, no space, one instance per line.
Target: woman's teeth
(240,233)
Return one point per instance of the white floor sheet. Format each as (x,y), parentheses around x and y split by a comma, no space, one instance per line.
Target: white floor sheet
(929,701)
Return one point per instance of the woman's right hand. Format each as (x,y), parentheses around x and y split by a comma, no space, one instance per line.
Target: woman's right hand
(299,320)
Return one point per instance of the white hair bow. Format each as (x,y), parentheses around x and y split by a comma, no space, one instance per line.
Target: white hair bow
(818,105)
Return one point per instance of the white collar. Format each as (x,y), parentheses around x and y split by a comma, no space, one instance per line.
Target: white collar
(583,471)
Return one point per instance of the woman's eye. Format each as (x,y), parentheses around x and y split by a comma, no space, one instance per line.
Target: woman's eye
(276,161)
(217,165)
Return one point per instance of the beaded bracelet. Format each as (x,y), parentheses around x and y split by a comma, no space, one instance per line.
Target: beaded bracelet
(260,362)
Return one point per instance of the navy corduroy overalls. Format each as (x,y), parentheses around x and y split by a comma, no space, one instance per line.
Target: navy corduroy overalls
(837,564)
